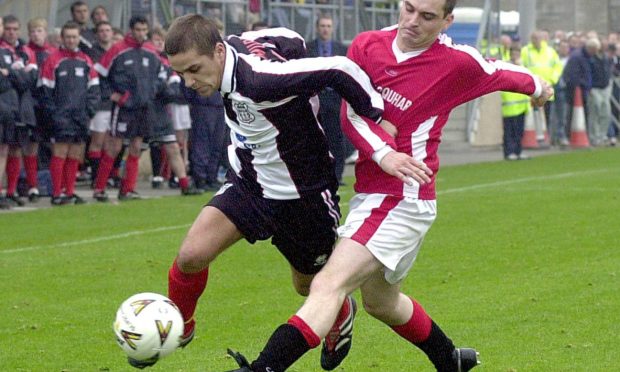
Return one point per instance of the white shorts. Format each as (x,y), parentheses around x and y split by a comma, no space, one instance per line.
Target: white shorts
(100,123)
(391,227)
(180,116)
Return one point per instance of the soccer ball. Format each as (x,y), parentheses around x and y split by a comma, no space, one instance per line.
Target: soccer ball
(148,326)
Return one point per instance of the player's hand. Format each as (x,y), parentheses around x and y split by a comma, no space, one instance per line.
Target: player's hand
(405,168)
(547,93)
(115,97)
(389,128)
(4,72)
(17,65)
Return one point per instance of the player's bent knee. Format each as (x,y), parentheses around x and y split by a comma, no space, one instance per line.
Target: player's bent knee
(192,259)
(379,310)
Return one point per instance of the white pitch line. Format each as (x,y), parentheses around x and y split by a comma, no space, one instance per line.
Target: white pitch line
(166,228)
(521,180)
(95,240)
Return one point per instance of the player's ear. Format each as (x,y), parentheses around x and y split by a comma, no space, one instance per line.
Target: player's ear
(448,21)
(220,51)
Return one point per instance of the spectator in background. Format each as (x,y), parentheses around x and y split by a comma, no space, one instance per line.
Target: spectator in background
(35,154)
(159,161)
(574,41)
(542,60)
(329,110)
(80,15)
(164,144)
(163,133)
(100,124)
(9,114)
(99,14)
(70,94)
(578,73)
(502,51)
(615,112)
(207,137)
(599,105)
(558,128)
(23,72)
(514,108)
(176,106)
(135,73)
(54,38)
(117,35)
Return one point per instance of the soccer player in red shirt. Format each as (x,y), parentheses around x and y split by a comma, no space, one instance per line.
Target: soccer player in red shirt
(422,76)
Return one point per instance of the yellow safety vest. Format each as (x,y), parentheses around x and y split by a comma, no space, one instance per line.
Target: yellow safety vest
(514,104)
(543,62)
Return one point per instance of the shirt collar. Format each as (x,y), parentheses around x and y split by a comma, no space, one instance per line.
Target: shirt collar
(229,81)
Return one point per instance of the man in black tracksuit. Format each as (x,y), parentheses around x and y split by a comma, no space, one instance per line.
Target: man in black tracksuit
(70,93)
(135,74)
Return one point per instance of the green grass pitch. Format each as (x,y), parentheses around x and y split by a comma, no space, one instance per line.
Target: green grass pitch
(523,263)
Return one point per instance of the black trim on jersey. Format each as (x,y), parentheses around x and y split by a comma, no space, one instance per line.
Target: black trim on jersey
(303,146)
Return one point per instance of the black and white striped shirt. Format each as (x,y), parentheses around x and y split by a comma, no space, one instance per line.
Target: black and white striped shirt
(279,149)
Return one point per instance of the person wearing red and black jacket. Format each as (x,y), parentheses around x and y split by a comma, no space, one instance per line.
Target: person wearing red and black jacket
(135,74)
(70,96)
(22,73)
(163,133)
(9,115)
(40,138)
(100,124)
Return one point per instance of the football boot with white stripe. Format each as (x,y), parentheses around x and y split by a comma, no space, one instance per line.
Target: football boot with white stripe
(465,359)
(337,343)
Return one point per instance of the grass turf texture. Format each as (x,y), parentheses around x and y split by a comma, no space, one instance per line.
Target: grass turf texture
(522,263)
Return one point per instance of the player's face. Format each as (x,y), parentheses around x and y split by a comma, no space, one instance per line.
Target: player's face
(38,35)
(158,41)
(11,33)
(71,38)
(200,72)
(140,32)
(80,14)
(104,33)
(420,22)
(325,29)
(99,15)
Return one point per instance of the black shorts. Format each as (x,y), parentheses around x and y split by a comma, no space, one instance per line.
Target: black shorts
(163,131)
(13,134)
(303,230)
(130,124)
(70,131)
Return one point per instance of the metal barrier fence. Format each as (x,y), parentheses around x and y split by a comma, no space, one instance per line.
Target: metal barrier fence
(350,16)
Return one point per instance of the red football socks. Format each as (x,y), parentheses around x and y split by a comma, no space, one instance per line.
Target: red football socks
(185,289)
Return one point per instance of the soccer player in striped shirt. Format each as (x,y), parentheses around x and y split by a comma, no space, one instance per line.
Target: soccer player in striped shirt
(422,76)
(282,184)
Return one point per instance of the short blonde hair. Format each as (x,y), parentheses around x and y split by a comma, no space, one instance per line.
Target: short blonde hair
(37,22)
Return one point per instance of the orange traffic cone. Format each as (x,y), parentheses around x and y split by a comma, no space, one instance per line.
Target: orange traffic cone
(528,141)
(578,134)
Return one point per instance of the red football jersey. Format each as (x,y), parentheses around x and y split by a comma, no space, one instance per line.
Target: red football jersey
(419,90)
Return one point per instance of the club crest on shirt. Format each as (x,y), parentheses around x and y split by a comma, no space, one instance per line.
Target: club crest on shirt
(391,72)
(243,112)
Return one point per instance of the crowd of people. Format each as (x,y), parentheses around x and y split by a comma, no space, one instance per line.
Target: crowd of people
(87,139)
(85,102)
(577,64)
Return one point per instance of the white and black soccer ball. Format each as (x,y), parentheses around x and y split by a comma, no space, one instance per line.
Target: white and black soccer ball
(147,326)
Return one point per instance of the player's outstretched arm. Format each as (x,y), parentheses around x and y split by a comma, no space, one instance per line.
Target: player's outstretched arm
(405,168)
